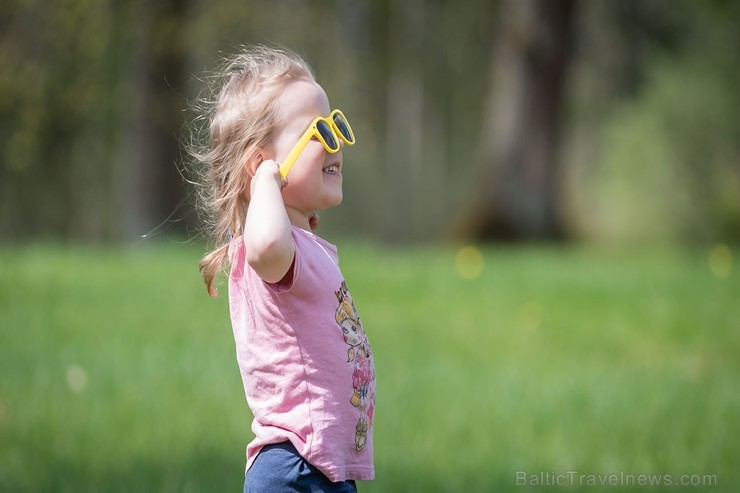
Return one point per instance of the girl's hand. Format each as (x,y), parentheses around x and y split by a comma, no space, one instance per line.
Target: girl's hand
(313,220)
(268,169)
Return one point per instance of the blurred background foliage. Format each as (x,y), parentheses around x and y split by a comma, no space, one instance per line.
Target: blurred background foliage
(604,121)
(637,141)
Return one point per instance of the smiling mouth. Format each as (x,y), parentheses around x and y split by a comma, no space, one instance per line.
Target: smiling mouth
(331,170)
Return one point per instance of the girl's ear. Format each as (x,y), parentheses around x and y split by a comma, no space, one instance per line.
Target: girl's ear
(257,157)
(254,161)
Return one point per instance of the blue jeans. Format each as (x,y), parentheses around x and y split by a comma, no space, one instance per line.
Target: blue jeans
(279,468)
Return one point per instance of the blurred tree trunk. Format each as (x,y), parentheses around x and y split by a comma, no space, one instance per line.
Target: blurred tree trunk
(404,123)
(517,198)
(152,188)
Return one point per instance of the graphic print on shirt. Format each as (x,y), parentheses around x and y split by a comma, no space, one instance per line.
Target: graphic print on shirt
(360,356)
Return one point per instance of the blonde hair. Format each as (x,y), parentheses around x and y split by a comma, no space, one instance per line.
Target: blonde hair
(238,115)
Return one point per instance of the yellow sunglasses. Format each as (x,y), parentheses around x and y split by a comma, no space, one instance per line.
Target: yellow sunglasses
(328,130)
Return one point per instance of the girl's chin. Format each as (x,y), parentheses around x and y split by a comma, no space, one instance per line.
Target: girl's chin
(335,201)
(333,195)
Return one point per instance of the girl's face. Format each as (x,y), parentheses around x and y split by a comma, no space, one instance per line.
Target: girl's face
(315,181)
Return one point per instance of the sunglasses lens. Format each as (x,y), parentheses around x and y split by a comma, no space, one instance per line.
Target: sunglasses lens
(328,135)
(343,127)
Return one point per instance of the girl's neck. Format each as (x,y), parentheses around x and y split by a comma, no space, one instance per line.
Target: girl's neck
(298,218)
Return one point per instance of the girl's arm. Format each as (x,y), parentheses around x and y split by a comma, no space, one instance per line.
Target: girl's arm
(267,230)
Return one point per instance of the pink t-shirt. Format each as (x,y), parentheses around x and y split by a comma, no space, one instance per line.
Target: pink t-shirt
(305,360)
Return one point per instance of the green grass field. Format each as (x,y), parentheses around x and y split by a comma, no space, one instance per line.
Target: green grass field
(118,373)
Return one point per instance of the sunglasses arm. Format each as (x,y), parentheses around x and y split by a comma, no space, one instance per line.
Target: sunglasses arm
(290,160)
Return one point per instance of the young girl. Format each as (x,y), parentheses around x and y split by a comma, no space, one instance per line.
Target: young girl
(274,157)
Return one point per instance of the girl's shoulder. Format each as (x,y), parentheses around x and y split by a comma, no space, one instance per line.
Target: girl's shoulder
(308,239)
